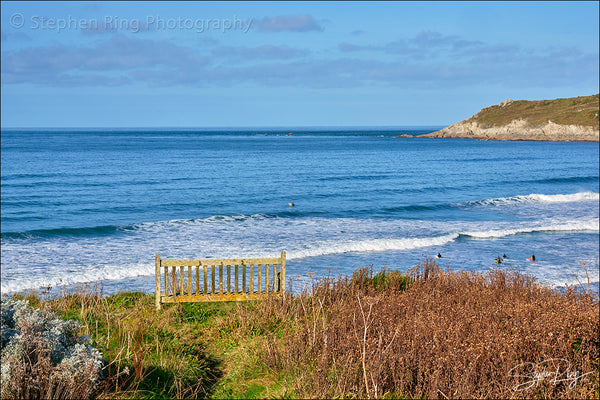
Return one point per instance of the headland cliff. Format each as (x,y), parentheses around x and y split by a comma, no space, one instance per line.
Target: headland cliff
(570,119)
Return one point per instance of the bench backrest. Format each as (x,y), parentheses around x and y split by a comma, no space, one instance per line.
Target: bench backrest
(202,280)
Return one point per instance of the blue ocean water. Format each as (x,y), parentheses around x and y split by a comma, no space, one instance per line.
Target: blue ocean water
(87,205)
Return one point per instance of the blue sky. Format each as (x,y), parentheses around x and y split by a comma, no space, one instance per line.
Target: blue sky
(213,64)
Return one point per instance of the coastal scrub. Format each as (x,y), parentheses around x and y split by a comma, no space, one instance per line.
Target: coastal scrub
(428,333)
(44,356)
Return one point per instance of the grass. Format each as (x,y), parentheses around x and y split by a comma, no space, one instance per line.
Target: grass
(428,333)
(569,111)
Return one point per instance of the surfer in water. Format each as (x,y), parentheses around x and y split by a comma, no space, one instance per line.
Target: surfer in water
(438,256)
(504,255)
(532,258)
(498,260)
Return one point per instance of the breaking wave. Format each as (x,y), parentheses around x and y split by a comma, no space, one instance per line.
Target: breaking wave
(538,198)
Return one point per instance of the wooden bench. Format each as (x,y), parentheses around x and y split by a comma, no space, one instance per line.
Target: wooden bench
(202,280)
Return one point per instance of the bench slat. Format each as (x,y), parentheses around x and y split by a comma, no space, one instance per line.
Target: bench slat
(217,297)
(226,261)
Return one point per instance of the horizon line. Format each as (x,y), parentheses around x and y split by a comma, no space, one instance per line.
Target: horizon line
(226,127)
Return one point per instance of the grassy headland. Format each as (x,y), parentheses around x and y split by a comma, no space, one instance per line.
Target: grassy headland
(581,111)
(431,333)
(571,119)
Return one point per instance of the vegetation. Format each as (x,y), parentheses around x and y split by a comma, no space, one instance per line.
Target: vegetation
(571,111)
(431,333)
(43,356)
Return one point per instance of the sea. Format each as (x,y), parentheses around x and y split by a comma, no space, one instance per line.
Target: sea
(94,206)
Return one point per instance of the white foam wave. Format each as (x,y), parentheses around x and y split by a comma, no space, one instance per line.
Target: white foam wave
(574,275)
(82,274)
(564,198)
(40,262)
(541,198)
(371,246)
(570,226)
(77,275)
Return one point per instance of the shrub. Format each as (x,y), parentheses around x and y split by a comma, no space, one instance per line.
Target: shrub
(447,334)
(364,279)
(43,356)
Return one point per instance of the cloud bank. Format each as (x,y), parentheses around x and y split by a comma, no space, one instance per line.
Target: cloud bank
(425,60)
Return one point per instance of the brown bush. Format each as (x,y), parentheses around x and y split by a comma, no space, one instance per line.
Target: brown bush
(444,335)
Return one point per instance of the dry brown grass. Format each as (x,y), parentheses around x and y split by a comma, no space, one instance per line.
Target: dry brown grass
(447,335)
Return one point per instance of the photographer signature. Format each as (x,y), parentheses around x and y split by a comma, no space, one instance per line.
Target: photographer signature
(553,370)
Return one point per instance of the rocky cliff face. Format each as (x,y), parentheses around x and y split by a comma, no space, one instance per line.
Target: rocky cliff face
(518,129)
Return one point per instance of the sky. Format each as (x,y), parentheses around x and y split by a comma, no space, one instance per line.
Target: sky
(287,64)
